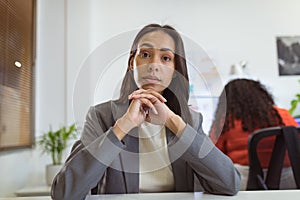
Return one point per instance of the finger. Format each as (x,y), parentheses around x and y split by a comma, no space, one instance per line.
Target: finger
(147,103)
(135,109)
(157,95)
(139,93)
(136,92)
(151,97)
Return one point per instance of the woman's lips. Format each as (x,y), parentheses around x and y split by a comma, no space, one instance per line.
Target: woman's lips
(151,79)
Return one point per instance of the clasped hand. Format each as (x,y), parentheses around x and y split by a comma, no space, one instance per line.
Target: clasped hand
(148,105)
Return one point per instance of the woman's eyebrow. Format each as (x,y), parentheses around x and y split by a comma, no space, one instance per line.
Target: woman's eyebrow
(168,49)
(147,45)
(162,49)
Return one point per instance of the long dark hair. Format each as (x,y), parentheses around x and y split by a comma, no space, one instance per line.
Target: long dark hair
(177,93)
(247,101)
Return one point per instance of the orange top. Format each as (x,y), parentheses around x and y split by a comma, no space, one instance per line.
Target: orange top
(234,143)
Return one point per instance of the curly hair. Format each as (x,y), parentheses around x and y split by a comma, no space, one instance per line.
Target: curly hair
(248,101)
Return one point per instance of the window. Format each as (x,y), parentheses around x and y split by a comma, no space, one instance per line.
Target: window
(17,54)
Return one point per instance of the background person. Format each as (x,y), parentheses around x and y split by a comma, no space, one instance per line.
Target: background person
(249,107)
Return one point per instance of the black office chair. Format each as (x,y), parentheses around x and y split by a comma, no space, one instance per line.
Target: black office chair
(286,139)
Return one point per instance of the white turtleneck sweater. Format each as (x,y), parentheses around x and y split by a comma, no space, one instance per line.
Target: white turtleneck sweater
(155,169)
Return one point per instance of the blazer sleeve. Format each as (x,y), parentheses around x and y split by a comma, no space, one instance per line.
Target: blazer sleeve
(213,168)
(87,162)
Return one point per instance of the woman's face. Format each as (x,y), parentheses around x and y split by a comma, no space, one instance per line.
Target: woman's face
(154,62)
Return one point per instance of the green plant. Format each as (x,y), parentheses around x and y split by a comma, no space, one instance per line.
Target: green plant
(55,142)
(294,104)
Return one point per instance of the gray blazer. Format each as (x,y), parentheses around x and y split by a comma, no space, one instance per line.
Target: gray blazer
(101,163)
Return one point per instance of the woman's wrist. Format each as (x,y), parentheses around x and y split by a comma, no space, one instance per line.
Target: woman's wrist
(175,124)
(123,126)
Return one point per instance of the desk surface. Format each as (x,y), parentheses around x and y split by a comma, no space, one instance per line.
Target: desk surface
(33,191)
(242,195)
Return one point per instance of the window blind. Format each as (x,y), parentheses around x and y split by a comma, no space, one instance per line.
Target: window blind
(17,54)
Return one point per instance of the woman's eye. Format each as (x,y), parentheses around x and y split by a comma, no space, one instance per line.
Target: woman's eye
(166,58)
(145,54)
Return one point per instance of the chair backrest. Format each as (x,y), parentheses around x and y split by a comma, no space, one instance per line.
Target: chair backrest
(286,139)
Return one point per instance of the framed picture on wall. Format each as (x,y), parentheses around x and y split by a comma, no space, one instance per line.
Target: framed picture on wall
(288,52)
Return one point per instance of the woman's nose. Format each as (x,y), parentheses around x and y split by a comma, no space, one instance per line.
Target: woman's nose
(154,67)
(155,62)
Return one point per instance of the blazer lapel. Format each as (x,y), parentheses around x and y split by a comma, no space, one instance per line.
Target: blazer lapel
(183,174)
(130,161)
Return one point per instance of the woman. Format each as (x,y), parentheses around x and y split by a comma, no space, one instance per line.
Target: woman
(249,107)
(148,140)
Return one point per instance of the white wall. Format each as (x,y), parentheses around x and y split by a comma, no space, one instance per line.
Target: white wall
(231,30)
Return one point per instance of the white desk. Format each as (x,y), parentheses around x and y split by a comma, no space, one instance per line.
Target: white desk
(242,195)
(33,191)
